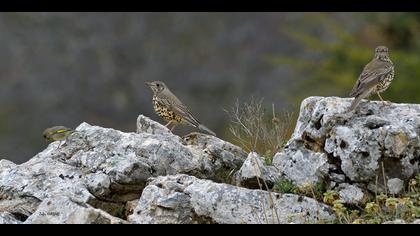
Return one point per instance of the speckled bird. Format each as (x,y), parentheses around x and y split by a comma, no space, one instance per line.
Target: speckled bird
(375,77)
(171,109)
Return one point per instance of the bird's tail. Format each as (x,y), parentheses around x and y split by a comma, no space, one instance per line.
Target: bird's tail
(355,103)
(204,128)
(359,96)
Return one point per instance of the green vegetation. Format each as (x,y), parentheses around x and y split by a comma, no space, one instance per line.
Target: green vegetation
(314,191)
(377,210)
(283,185)
(380,209)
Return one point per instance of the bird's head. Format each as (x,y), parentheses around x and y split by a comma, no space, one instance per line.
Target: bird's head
(46,137)
(381,52)
(156,86)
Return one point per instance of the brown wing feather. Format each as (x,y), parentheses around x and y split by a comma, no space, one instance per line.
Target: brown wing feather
(370,76)
(175,105)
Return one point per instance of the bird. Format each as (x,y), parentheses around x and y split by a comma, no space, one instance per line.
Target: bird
(171,109)
(56,133)
(376,77)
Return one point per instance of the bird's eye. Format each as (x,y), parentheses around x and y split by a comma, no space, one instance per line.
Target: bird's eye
(157,85)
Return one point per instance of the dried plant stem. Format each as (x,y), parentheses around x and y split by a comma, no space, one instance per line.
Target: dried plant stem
(253,129)
(384,177)
(268,190)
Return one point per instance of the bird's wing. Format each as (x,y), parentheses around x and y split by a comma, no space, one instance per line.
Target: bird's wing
(175,105)
(62,129)
(370,76)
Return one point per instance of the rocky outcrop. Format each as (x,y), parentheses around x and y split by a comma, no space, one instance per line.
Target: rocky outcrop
(146,125)
(350,194)
(376,142)
(303,167)
(395,186)
(106,168)
(8,218)
(216,159)
(64,210)
(186,199)
(20,207)
(254,174)
(102,175)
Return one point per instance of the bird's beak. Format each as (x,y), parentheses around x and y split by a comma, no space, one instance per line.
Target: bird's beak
(148,83)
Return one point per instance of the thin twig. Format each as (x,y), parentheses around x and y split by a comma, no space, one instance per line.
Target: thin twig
(383,175)
(268,190)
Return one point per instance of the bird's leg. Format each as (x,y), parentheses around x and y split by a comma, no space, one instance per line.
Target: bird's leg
(170,122)
(173,123)
(380,97)
(173,127)
(385,102)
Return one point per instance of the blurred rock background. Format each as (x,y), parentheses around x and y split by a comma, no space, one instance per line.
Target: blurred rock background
(66,68)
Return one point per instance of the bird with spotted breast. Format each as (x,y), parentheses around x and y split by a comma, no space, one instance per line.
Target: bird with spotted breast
(375,77)
(171,109)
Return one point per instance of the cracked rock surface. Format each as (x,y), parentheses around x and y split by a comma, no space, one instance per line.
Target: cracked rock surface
(357,148)
(186,199)
(106,168)
(102,175)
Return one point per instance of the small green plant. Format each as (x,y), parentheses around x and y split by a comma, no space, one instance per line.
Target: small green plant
(339,208)
(330,197)
(386,208)
(381,198)
(283,185)
(376,210)
(319,191)
(359,221)
(379,209)
(391,203)
(354,214)
(268,158)
(315,191)
(120,213)
(372,208)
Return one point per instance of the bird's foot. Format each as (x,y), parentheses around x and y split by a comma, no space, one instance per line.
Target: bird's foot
(387,103)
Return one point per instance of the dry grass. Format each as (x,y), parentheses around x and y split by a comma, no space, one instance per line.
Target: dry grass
(254,129)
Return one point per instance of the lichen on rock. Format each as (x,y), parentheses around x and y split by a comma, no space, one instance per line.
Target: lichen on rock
(330,144)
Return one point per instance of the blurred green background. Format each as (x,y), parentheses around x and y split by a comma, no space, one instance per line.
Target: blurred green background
(68,68)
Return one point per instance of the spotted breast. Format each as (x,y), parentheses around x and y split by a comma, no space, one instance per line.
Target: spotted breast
(164,112)
(385,82)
